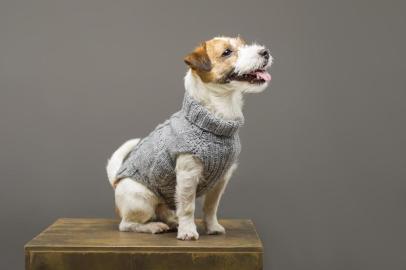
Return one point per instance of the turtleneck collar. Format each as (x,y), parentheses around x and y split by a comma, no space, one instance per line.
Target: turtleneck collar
(197,114)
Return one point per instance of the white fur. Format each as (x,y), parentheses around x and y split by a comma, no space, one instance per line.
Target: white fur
(139,207)
(114,163)
(188,173)
(249,59)
(222,100)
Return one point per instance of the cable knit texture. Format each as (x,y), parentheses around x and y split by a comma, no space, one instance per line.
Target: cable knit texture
(193,130)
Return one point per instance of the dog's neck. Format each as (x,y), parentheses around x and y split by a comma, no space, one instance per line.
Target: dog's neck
(220,100)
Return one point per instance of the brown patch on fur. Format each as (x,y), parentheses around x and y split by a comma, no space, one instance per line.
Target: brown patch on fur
(115,184)
(118,212)
(199,61)
(208,63)
(116,208)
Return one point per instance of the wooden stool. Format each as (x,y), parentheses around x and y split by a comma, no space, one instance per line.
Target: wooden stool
(97,244)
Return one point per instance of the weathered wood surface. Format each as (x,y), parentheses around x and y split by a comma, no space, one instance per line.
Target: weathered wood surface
(97,244)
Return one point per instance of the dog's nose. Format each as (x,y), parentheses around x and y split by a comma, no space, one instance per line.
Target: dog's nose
(264,53)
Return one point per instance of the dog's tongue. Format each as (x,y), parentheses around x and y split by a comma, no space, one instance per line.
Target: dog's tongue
(263,75)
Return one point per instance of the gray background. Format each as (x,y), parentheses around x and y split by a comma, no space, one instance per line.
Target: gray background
(322,171)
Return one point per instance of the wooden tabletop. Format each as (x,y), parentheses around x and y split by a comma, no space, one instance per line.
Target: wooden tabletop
(75,234)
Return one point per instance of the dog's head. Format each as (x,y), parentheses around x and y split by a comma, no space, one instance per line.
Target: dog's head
(231,64)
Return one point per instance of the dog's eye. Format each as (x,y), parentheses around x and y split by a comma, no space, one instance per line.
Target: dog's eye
(227,52)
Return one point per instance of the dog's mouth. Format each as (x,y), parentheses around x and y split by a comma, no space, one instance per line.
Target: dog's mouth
(257,76)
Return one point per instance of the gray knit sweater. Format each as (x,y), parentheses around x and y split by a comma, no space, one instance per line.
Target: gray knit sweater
(193,130)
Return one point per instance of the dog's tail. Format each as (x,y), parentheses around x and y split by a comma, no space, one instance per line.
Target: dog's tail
(116,160)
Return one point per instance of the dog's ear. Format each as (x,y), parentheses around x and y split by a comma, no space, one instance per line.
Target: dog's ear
(198,59)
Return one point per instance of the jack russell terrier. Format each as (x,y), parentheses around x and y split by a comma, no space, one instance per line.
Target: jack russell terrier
(194,153)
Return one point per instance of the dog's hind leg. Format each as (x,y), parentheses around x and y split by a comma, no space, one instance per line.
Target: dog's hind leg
(136,205)
(164,214)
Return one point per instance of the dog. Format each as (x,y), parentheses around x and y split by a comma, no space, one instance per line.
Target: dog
(158,178)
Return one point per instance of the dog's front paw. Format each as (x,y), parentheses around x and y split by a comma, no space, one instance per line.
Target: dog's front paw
(215,228)
(187,232)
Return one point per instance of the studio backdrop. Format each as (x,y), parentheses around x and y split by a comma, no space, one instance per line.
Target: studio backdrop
(323,164)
